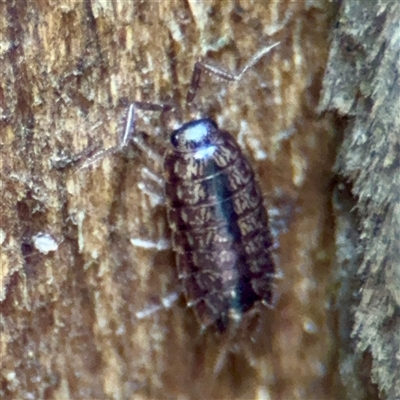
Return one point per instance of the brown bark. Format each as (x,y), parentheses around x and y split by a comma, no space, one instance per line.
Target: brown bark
(69,317)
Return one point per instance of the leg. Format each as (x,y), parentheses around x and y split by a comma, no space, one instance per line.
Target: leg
(153,186)
(128,132)
(166,302)
(130,124)
(228,76)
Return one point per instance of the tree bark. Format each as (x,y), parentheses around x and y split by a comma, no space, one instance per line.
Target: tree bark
(81,257)
(362,84)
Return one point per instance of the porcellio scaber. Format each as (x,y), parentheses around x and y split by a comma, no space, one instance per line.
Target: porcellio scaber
(219,224)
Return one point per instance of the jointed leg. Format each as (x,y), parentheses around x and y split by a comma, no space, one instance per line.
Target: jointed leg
(128,132)
(130,124)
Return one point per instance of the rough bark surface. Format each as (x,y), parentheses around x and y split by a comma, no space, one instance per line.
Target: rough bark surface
(79,259)
(362,83)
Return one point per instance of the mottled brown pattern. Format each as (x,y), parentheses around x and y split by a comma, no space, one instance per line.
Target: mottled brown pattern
(200,191)
(219,225)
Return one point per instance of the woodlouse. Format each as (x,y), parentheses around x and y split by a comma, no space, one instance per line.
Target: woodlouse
(219,225)
(216,214)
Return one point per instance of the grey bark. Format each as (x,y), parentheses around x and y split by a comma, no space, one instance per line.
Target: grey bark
(362,83)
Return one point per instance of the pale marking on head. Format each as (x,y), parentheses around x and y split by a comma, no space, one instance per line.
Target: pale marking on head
(196,133)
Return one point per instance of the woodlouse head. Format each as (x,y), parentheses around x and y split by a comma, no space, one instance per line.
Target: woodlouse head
(195,135)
